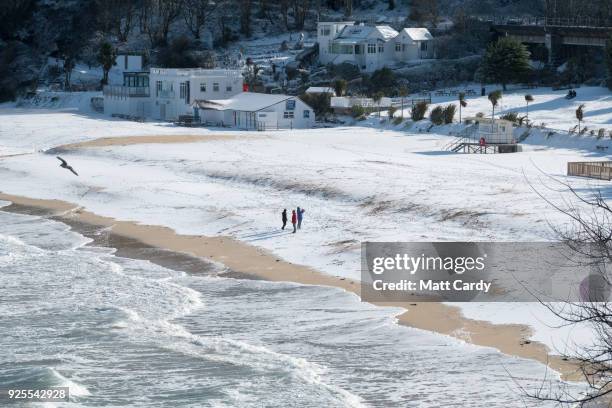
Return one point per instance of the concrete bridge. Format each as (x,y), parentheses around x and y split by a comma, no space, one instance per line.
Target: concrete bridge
(555,33)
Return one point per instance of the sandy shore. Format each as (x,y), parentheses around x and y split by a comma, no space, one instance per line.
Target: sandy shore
(247,260)
(161,139)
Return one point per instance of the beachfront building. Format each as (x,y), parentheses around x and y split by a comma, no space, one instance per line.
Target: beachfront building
(124,62)
(494,131)
(371,47)
(250,110)
(167,94)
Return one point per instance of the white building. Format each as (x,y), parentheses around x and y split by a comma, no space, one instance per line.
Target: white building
(494,131)
(166,94)
(249,110)
(124,62)
(371,47)
(327,90)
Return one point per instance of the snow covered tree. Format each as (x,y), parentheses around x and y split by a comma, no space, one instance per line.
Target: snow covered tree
(506,61)
(107,58)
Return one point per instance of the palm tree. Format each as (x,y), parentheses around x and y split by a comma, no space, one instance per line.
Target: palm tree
(403,92)
(494,97)
(340,86)
(528,99)
(462,103)
(377,97)
(580,115)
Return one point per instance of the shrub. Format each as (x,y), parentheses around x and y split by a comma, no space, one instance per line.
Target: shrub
(449,113)
(392,110)
(511,116)
(480,115)
(320,103)
(418,111)
(357,111)
(437,116)
(601,133)
(397,121)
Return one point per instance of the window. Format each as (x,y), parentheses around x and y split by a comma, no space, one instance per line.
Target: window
(215,86)
(158,88)
(381,48)
(398,46)
(202,86)
(371,48)
(424,46)
(288,115)
(228,88)
(290,104)
(306,114)
(325,30)
(184,91)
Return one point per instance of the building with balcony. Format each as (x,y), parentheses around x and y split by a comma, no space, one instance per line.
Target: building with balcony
(166,94)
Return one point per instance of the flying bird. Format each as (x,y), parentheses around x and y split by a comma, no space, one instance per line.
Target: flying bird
(66,166)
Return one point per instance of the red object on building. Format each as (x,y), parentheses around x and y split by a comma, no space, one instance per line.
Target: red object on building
(245,87)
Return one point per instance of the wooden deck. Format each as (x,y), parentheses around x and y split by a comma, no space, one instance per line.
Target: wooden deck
(598,170)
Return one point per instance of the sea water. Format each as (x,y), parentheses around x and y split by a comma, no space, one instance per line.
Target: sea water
(120,332)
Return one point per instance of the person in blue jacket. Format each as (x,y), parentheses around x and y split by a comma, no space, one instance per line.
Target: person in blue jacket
(300,212)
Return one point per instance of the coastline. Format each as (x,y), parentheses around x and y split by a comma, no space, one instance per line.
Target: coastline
(248,261)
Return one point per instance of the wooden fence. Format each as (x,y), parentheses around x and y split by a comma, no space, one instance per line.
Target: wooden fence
(599,170)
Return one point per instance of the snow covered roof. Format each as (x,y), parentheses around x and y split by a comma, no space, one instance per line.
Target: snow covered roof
(418,34)
(387,32)
(245,101)
(356,32)
(321,89)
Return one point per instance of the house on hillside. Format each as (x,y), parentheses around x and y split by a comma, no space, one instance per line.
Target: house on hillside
(371,47)
(249,110)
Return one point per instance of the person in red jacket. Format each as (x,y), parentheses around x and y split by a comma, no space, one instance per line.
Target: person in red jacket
(293,220)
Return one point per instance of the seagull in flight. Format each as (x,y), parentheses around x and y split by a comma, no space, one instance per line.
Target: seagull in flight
(66,166)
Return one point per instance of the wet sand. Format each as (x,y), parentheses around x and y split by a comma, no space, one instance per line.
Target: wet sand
(194,253)
(161,139)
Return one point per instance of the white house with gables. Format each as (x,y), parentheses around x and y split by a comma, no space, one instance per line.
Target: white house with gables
(250,110)
(371,47)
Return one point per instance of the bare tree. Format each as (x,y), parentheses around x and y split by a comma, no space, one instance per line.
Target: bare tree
(158,16)
(300,11)
(197,12)
(589,235)
(245,17)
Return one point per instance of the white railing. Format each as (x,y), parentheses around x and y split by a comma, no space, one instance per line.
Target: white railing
(231,73)
(126,91)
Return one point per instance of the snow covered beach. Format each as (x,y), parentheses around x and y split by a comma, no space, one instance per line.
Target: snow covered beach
(356,183)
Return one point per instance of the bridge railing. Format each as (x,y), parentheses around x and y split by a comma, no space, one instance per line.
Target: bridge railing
(577,21)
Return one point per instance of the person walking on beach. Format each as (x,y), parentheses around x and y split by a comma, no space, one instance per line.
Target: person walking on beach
(293,220)
(284,218)
(300,212)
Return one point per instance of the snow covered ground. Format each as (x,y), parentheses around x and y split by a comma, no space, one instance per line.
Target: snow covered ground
(549,107)
(356,183)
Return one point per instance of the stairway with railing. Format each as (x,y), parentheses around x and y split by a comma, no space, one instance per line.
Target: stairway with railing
(465,137)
